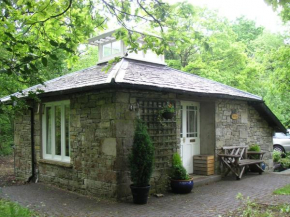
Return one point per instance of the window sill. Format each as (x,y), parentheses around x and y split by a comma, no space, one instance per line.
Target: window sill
(56,163)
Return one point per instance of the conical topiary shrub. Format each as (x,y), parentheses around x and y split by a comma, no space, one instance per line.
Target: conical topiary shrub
(141,162)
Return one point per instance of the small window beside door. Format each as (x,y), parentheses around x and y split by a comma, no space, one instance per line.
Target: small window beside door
(191,121)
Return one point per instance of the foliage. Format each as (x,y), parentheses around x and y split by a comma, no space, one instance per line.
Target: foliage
(178,172)
(33,32)
(6,131)
(251,209)
(285,162)
(284,5)
(168,108)
(88,58)
(12,209)
(254,147)
(248,206)
(111,63)
(142,156)
(279,78)
(176,159)
(283,191)
(276,156)
(246,29)
(184,39)
(6,148)
(212,49)
(240,54)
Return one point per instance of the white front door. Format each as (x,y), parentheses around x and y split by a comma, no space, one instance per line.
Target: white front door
(189,133)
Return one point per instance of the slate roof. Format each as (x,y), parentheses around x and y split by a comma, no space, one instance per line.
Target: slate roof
(139,74)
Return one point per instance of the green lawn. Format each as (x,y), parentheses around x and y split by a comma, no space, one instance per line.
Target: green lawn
(283,191)
(12,209)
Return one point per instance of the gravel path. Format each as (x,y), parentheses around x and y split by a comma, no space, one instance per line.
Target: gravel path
(210,200)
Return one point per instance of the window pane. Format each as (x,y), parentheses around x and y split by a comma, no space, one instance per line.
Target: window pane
(48,130)
(191,121)
(116,47)
(107,50)
(67,145)
(57,130)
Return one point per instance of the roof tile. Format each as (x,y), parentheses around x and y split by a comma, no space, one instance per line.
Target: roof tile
(132,72)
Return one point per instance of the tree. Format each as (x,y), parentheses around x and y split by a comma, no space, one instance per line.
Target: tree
(184,39)
(278,96)
(32,33)
(282,4)
(247,32)
(246,29)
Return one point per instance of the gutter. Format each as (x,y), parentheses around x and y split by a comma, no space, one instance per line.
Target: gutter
(32,177)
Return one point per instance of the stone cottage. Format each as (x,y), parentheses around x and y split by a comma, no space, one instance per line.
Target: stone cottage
(81,133)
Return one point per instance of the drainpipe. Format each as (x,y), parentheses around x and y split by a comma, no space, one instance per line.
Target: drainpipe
(32,177)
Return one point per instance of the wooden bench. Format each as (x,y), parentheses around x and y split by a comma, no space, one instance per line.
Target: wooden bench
(235,159)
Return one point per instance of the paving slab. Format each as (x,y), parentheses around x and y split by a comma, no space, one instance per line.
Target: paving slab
(209,200)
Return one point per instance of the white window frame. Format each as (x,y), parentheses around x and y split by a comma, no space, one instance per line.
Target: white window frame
(53,156)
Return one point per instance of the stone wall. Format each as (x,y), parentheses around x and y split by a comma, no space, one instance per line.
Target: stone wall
(248,129)
(101,134)
(145,105)
(22,142)
(93,147)
(101,137)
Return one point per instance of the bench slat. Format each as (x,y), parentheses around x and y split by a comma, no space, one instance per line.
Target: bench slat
(233,147)
(249,162)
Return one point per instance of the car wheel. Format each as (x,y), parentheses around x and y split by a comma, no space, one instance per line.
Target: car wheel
(278,148)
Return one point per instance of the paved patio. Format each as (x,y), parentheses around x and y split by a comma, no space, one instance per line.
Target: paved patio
(209,200)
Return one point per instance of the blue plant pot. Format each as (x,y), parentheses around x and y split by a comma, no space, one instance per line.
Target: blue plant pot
(263,166)
(181,186)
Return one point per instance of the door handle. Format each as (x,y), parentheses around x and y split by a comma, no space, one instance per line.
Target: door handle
(192,140)
(183,139)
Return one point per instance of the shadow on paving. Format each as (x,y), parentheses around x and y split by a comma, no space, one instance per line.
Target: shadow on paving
(210,200)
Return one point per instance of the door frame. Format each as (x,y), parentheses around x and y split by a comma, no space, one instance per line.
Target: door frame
(184,140)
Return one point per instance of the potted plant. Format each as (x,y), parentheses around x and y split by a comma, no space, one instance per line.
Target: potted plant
(141,162)
(168,111)
(255,148)
(181,183)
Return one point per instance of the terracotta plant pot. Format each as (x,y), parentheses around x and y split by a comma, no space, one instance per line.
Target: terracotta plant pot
(140,194)
(167,115)
(181,186)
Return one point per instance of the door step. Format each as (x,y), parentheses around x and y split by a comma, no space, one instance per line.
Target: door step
(199,180)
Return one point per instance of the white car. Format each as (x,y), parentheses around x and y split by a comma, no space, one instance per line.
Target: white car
(281,141)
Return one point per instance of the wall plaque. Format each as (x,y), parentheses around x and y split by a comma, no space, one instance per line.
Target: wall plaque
(234,116)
